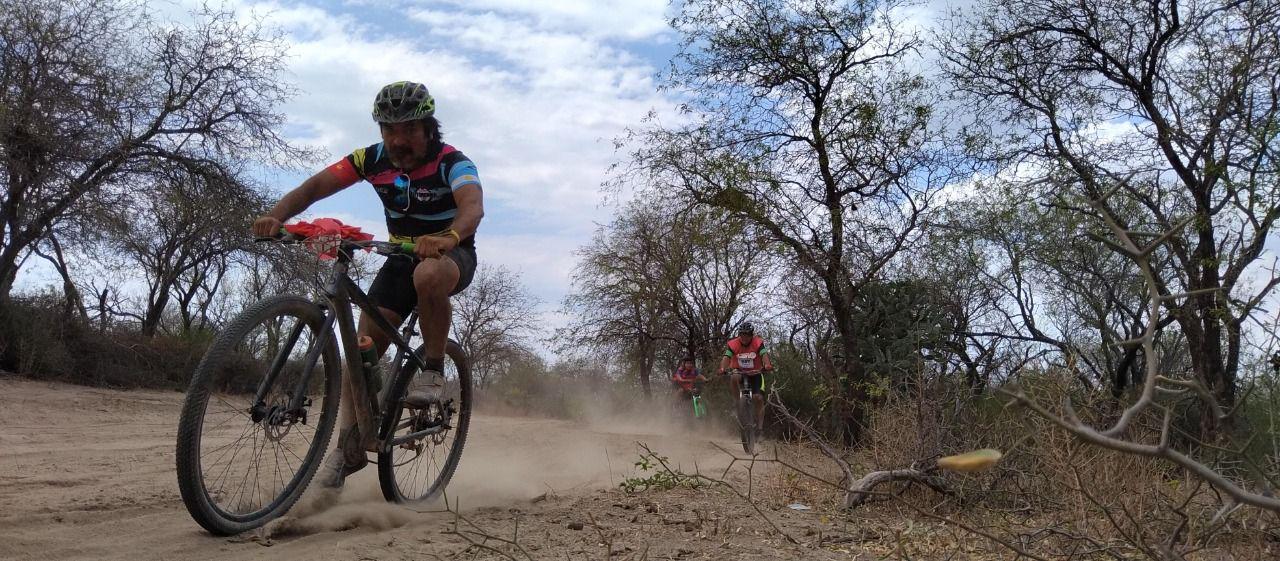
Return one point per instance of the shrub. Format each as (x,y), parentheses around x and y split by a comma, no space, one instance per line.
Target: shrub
(38,340)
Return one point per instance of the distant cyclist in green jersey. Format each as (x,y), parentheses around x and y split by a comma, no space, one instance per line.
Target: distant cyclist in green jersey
(431,196)
(746,354)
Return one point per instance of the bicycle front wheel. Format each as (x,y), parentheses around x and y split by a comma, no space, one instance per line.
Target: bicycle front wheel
(747,424)
(425,442)
(244,453)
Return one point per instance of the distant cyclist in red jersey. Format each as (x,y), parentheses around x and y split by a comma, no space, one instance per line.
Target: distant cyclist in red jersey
(685,377)
(746,353)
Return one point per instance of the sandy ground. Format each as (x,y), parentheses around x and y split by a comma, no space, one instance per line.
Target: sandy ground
(89,474)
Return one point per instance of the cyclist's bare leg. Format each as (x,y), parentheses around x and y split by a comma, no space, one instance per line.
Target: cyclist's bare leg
(381,340)
(354,450)
(734,381)
(434,279)
(347,414)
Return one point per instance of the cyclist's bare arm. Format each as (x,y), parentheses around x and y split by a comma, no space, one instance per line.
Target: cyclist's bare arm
(316,187)
(470,201)
(470,205)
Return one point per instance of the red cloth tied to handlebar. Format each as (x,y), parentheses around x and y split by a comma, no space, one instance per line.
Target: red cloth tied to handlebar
(323,234)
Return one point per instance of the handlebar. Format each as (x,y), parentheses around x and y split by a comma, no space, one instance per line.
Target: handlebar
(380,247)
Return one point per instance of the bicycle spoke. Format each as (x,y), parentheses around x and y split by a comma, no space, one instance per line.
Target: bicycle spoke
(420,470)
(239,477)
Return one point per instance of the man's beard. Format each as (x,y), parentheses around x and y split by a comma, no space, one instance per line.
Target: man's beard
(402,160)
(407,159)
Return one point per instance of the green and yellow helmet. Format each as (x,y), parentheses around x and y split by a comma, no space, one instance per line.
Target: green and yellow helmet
(398,102)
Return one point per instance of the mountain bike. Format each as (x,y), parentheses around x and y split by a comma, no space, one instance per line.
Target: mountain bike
(746,411)
(699,410)
(262,404)
(680,410)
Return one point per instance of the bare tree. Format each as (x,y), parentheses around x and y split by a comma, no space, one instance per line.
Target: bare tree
(96,96)
(808,123)
(492,318)
(616,301)
(200,299)
(1157,391)
(1170,105)
(1036,278)
(661,282)
(180,235)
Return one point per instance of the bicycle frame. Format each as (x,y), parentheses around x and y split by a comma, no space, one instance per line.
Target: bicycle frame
(746,394)
(339,293)
(743,389)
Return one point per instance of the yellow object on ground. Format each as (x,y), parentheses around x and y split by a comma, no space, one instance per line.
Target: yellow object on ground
(971,461)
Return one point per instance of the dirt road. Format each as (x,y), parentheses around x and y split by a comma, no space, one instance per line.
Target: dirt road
(89,474)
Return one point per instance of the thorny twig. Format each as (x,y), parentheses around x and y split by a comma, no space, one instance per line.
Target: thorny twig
(857,491)
(722,483)
(777,460)
(485,536)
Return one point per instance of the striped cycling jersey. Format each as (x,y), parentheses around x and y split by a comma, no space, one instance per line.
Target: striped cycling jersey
(426,204)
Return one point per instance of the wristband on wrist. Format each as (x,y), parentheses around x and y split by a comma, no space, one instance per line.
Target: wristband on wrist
(451,232)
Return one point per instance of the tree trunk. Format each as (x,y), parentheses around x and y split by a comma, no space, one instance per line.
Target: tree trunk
(155,313)
(102,309)
(854,386)
(8,271)
(74,302)
(646,366)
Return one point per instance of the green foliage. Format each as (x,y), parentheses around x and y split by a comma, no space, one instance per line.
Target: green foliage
(1258,430)
(897,323)
(660,477)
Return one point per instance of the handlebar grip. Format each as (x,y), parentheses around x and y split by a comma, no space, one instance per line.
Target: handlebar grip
(407,247)
(282,234)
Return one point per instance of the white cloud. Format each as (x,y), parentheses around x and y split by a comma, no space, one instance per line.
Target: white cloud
(534,93)
(626,19)
(544,261)
(535,108)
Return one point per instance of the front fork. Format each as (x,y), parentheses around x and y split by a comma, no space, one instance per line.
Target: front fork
(295,411)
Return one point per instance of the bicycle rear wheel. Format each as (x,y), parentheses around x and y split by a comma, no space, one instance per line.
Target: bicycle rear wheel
(420,468)
(242,462)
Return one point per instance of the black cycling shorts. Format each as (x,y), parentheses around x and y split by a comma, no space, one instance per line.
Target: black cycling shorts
(393,287)
(755,382)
